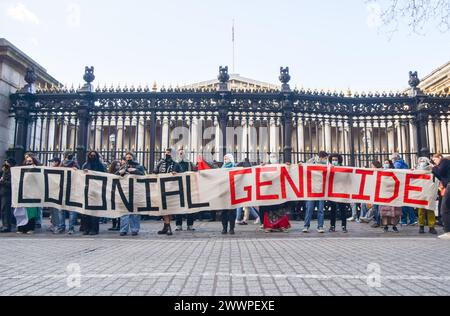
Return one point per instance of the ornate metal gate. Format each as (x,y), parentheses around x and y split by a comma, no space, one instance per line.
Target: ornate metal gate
(294,124)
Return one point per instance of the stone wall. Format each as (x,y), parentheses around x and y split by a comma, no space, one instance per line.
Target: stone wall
(13,65)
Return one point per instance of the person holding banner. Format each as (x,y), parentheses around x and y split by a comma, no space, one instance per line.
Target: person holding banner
(441,170)
(407,211)
(5,195)
(167,165)
(336,160)
(114,167)
(185,166)
(89,223)
(26,221)
(425,165)
(321,159)
(390,215)
(132,222)
(228,216)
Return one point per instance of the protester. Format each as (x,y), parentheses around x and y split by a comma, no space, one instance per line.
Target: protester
(336,160)
(424,164)
(68,162)
(390,215)
(228,216)
(130,222)
(321,159)
(39,217)
(274,217)
(441,170)
(167,165)
(370,212)
(113,169)
(185,166)
(26,223)
(5,195)
(54,212)
(407,211)
(89,223)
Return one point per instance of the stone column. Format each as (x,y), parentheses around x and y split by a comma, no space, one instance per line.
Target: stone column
(51,135)
(273,137)
(141,139)
(431,137)
(444,133)
(218,138)
(194,139)
(300,136)
(64,135)
(413,136)
(391,140)
(165,134)
(243,145)
(328,143)
(98,137)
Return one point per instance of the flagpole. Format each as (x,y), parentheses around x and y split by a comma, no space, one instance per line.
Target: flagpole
(234,60)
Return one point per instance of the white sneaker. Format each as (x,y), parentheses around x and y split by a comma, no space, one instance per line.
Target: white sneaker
(257,221)
(351,219)
(306,230)
(445,236)
(320,230)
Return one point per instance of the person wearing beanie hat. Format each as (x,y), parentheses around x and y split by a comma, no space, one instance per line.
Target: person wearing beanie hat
(424,164)
(167,165)
(5,194)
(228,215)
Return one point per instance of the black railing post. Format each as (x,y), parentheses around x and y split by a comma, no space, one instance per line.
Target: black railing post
(224,92)
(84,107)
(22,102)
(287,114)
(418,105)
(152,138)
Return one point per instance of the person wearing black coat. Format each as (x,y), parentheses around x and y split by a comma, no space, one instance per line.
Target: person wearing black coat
(441,170)
(167,165)
(89,223)
(185,166)
(336,160)
(5,195)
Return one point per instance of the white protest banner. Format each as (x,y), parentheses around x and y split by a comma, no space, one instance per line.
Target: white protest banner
(106,195)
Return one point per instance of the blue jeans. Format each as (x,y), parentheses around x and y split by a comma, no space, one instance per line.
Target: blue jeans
(130,222)
(364,210)
(310,210)
(408,212)
(376,214)
(39,216)
(252,211)
(62,220)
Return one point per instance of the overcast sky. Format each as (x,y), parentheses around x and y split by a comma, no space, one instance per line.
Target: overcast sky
(327,44)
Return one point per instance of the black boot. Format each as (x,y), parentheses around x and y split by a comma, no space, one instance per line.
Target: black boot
(169,230)
(422,230)
(164,230)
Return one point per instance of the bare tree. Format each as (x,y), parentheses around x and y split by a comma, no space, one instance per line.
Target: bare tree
(416,13)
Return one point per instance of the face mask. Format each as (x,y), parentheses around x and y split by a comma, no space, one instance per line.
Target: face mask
(386,166)
(273,160)
(335,163)
(168,157)
(323,161)
(423,165)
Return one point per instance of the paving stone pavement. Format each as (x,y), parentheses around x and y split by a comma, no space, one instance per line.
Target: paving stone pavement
(365,261)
